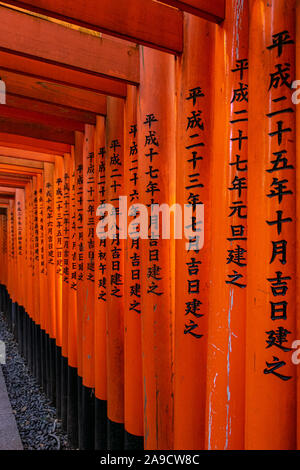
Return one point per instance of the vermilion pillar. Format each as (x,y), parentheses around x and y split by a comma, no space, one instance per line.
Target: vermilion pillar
(67,305)
(132,298)
(72,355)
(114,174)
(271,314)
(65,251)
(88,257)
(72,296)
(88,372)
(58,211)
(21,241)
(101,282)
(36,268)
(192,262)
(156,143)
(228,258)
(297,209)
(30,307)
(50,247)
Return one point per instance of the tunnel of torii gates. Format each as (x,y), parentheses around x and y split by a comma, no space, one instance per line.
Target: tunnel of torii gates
(143,343)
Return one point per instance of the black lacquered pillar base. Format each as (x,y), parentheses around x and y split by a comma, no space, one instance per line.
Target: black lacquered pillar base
(52,371)
(133,442)
(100,424)
(87,419)
(64,392)
(115,435)
(58,359)
(72,406)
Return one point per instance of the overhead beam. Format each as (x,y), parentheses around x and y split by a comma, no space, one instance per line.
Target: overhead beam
(19,170)
(32,144)
(211,10)
(16,154)
(37,131)
(64,76)
(40,118)
(21,162)
(5,189)
(53,93)
(22,102)
(36,38)
(145,22)
(13,182)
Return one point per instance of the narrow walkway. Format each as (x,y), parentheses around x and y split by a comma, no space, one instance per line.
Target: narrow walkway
(9,434)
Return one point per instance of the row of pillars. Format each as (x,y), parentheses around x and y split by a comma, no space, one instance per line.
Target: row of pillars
(173,348)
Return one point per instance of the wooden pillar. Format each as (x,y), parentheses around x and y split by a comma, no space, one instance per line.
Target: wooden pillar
(72,296)
(31,251)
(156,143)
(58,211)
(43,305)
(132,298)
(72,397)
(86,435)
(227,278)
(114,174)
(79,239)
(101,282)
(66,247)
(297,166)
(36,268)
(27,291)
(271,314)
(192,260)
(88,257)
(67,304)
(21,241)
(50,247)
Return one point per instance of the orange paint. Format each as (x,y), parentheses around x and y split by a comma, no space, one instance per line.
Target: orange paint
(157,99)
(72,296)
(132,302)
(227,300)
(271,247)
(115,263)
(58,243)
(88,257)
(192,268)
(101,279)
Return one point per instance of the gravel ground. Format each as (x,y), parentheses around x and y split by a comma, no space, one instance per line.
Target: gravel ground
(36,417)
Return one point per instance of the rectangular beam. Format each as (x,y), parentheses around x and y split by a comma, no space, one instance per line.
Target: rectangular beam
(19,170)
(145,22)
(26,155)
(210,10)
(37,131)
(13,183)
(36,38)
(73,98)
(21,162)
(40,118)
(4,189)
(22,102)
(64,76)
(31,144)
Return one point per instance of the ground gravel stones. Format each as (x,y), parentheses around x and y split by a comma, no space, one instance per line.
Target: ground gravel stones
(35,416)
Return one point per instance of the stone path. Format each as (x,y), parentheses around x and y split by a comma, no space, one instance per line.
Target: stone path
(9,434)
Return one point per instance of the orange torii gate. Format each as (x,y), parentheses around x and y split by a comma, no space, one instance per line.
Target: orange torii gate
(154,343)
